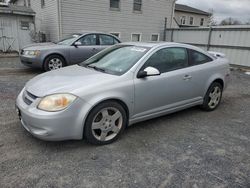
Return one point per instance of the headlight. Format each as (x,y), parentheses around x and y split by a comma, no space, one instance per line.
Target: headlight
(31,52)
(56,102)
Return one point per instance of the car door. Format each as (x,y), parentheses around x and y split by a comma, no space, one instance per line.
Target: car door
(106,41)
(84,48)
(173,88)
(202,67)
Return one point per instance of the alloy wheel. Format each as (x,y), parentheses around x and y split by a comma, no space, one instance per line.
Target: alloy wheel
(214,97)
(107,124)
(55,63)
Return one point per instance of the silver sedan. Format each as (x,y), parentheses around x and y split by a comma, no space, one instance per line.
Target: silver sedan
(122,85)
(72,50)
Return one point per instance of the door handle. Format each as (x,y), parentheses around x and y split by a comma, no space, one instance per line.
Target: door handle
(187,77)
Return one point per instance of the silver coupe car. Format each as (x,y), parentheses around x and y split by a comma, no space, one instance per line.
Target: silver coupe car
(122,85)
(72,50)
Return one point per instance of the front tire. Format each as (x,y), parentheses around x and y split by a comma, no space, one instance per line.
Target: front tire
(105,123)
(54,62)
(213,96)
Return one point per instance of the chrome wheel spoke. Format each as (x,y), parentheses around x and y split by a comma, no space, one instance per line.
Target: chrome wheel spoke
(115,129)
(97,125)
(116,116)
(105,113)
(103,136)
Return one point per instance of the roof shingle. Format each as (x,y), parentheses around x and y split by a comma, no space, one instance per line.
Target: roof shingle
(20,10)
(185,8)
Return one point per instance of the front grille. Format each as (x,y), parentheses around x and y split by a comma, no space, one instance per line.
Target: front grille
(28,97)
(31,95)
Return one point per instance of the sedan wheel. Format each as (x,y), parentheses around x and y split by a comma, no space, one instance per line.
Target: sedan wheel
(213,97)
(105,123)
(54,62)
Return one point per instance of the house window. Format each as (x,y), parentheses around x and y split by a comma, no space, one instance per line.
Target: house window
(136,37)
(25,25)
(155,37)
(183,20)
(191,21)
(42,3)
(29,3)
(24,3)
(138,5)
(116,34)
(115,4)
(202,22)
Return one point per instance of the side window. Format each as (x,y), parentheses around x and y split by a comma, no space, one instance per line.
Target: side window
(197,58)
(168,59)
(107,40)
(88,40)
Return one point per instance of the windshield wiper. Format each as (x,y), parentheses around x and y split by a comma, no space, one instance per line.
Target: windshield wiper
(96,68)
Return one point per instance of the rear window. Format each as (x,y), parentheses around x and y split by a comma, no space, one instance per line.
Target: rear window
(197,58)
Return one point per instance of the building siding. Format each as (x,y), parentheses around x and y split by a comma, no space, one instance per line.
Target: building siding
(46,18)
(93,15)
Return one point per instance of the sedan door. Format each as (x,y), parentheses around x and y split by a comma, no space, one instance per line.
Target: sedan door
(170,90)
(83,49)
(106,41)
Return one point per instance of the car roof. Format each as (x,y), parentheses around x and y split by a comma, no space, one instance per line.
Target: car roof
(158,44)
(154,45)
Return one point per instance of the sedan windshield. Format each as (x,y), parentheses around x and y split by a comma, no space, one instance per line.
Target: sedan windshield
(69,40)
(117,59)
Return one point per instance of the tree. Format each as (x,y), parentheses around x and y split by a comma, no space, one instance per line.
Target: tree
(212,21)
(230,21)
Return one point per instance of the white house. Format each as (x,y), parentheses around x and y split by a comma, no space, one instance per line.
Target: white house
(136,20)
(186,16)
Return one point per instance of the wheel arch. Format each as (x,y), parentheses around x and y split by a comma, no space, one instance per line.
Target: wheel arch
(216,78)
(119,101)
(220,81)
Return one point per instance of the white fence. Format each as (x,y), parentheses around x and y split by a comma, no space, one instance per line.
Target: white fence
(232,41)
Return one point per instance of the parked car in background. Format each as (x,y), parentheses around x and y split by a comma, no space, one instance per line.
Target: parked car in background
(122,85)
(72,50)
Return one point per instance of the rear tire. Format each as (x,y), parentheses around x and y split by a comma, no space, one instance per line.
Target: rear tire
(54,62)
(105,123)
(213,96)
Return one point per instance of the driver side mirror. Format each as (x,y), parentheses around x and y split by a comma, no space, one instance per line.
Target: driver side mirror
(149,71)
(77,43)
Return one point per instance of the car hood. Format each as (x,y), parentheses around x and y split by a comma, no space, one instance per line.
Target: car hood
(70,79)
(42,46)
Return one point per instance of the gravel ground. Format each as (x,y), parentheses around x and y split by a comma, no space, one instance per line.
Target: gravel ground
(190,148)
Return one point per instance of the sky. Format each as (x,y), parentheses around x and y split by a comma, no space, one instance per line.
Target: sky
(238,9)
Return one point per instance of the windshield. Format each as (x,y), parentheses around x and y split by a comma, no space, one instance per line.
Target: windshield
(117,59)
(68,40)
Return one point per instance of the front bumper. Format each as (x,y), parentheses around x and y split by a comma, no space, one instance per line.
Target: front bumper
(53,126)
(31,61)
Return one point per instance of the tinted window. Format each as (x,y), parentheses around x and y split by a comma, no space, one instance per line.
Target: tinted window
(197,58)
(88,40)
(168,59)
(137,5)
(115,4)
(107,40)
